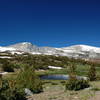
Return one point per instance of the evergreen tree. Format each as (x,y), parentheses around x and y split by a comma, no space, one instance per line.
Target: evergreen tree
(73,83)
(28,79)
(92,73)
(72,71)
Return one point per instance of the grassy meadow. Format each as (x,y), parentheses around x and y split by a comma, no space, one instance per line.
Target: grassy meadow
(49,89)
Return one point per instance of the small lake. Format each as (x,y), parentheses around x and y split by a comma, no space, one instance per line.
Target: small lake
(54,77)
(59,77)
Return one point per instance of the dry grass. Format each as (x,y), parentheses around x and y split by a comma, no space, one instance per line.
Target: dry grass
(57,92)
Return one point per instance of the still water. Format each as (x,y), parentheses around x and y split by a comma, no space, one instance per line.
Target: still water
(59,77)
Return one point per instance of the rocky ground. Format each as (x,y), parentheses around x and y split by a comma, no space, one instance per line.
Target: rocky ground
(57,92)
(96,97)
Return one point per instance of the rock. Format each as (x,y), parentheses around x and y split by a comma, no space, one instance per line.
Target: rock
(28,92)
(89,88)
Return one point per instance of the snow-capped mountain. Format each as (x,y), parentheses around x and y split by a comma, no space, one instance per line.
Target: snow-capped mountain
(82,51)
(24,46)
(75,51)
(2,49)
(30,48)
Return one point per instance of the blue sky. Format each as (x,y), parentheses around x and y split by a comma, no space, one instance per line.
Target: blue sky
(56,23)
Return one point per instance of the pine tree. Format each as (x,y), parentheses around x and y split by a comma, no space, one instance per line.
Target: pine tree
(72,72)
(92,73)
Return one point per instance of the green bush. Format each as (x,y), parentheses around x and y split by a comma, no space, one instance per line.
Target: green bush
(92,73)
(76,84)
(28,79)
(95,89)
(8,67)
(63,82)
(10,93)
(73,83)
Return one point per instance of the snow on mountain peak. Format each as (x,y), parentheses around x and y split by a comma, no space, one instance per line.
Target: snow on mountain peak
(89,48)
(2,49)
(24,43)
(77,51)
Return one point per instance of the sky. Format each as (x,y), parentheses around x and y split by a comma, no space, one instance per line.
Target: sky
(55,23)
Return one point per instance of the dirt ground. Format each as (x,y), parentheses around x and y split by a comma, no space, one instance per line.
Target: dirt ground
(57,92)
(96,97)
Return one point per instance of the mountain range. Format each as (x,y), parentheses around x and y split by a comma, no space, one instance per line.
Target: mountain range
(75,51)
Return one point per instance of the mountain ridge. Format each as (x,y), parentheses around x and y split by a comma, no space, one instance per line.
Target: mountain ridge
(75,51)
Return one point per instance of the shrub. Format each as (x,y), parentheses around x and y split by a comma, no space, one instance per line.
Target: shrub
(72,71)
(92,73)
(73,83)
(54,83)
(97,78)
(28,79)
(95,89)
(77,84)
(8,67)
(8,93)
(63,82)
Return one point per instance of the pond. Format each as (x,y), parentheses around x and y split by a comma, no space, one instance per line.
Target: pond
(59,77)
